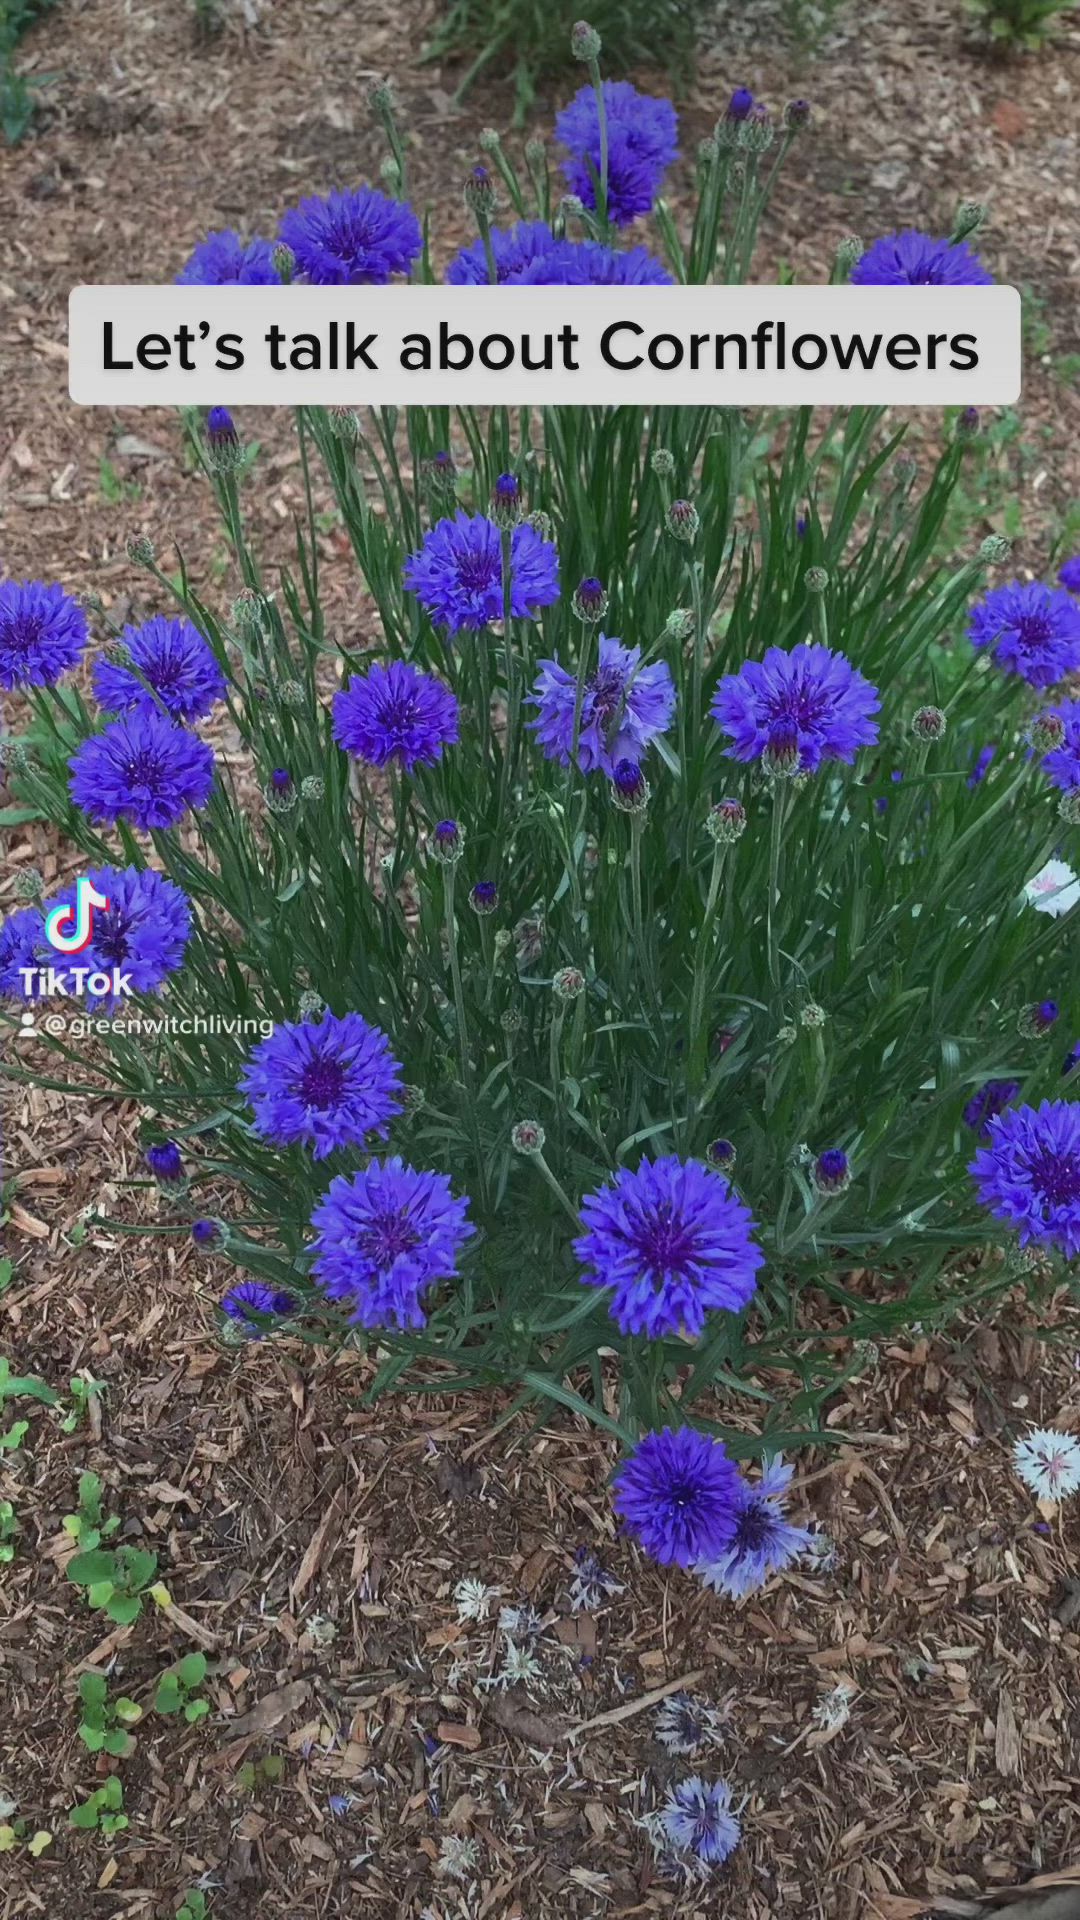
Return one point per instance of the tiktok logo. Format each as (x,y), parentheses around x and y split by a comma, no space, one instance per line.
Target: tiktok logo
(70,929)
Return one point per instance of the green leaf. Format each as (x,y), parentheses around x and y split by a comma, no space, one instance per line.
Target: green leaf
(124,1608)
(93,1689)
(119,1743)
(91,1569)
(191,1670)
(196,1710)
(92,1737)
(86,1815)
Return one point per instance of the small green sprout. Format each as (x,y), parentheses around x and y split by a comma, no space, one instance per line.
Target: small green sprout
(261,1773)
(194,1906)
(27,1385)
(9,1527)
(85,1393)
(14,1436)
(114,1581)
(103,1810)
(88,1525)
(10,1837)
(103,1724)
(177,1687)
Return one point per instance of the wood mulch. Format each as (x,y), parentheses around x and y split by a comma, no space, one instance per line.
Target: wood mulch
(312,1544)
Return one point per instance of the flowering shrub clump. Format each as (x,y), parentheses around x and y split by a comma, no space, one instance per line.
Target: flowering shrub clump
(648,955)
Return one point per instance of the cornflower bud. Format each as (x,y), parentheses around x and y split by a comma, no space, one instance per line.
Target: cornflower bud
(929,723)
(568,983)
(506,501)
(590,600)
(585,42)
(812,1016)
(283,261)
(726,822)
(797,114)
(629,787)
(527,1136)
(721,1155)
(447,842)
(815,579)
(832,1173)
(1037,1020)
(995,549)
(484,897)
(683,521)
(479,191)
(663,463)
(311,1005)
(1047,732)
(222,440)
(141,550)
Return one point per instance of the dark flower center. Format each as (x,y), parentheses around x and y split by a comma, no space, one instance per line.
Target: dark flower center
(111,932)
(608,689)
(26,632)
(386,1238)
(322,1083)
(1035,629)
(1056,1177)
(143,769)
(476,571)
(754,1528)
(665,1242)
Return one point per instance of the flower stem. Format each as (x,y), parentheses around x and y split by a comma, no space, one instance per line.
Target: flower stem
(780,796)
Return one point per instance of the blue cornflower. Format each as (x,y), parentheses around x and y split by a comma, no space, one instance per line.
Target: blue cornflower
(797,709)
(355,239)
(224,260)
(513,250)
(982,765)
(396,713)
(1030,629)
(678,1494)
(385,1237)
(144,930)
(918,259)
(457,573)
(580,263)
(742,104)
(43,633)
(330,1083)
(142,768)
(1029,1174)
(985,1105)
(166,1162)
(1062,765)
(173,659)
(624,707)
(22,945)
(221,434)
(764,1542)
(696,1823)
(642,143)
(673,1241)
(251,1301)
(211,1235)
(1069,573)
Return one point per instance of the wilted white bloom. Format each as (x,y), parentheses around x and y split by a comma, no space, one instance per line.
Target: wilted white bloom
(457,1856)
(521,1623)
(835,1710)
(1054,889)
(520,1668)
(685,1722)
(473,1599)
(592,1584)
(1048,1462)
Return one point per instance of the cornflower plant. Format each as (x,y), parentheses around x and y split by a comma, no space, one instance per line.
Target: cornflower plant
(645,912)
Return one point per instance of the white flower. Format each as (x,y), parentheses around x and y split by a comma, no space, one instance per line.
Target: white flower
(457,1856)
(835,1710)
(473,1599)
(592,1584)
(1048,1462)
(520,1623)
(520,1668)
(1054,889)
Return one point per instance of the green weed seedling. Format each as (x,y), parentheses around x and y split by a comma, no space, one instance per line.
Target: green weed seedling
(177,1689)
(88,1525)
(104,1722)
(115,1581)
(261,1773)
(28,1387)
(84,1393)
(103,1811)
(7,1271)
(194,1906)
(19,1834)
(9,1527)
